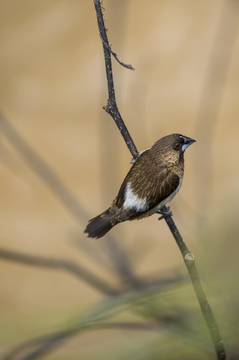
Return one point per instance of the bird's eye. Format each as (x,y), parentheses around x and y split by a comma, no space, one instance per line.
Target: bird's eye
(177,146)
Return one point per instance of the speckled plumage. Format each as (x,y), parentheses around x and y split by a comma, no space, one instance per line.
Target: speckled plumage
(153,180)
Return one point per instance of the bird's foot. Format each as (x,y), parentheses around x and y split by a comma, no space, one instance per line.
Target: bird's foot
(164,213)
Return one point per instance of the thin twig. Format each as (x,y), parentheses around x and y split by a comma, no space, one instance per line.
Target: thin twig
(111,106)
(188,257)
(127,66)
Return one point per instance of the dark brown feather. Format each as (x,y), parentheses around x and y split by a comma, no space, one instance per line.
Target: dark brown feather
(98,226)
(148,180)
(163,191)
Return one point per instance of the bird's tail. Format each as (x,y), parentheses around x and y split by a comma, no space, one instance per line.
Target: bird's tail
(100,225)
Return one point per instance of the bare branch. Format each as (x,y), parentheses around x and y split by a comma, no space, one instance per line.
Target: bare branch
(94,319)
(43,170)
(59,264)
(209,318)
(111,107)
(53,181)
(83,274)
(41,346)
(188,257)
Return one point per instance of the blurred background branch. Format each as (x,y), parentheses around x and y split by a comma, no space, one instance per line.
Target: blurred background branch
(105,310)
(59,264)
(69,201)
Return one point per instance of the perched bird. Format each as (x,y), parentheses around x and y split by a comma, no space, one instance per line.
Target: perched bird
(153,180)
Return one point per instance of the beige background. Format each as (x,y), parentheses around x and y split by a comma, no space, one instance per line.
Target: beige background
(53,86)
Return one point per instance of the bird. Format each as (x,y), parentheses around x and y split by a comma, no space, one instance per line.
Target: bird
(153,180)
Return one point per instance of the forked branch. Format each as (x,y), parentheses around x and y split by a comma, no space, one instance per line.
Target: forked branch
(111,106)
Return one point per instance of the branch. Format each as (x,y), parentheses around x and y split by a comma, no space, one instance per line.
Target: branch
(43,170)
(57,186)
(148,282)
(95,318)
(40,346)
(188,257)
(209,318)
(111,106)
(59,264)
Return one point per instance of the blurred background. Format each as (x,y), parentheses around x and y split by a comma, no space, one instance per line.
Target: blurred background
(62,161)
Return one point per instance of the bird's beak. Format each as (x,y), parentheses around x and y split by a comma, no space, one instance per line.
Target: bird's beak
(187,142)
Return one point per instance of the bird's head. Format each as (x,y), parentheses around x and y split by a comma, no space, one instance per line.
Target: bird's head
(171,148)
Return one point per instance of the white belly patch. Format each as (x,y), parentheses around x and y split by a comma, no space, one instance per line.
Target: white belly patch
(133,202)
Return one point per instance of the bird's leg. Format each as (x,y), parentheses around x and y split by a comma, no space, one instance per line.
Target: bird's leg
(164,213)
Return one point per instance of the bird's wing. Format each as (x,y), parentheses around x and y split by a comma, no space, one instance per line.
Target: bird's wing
(150,185)
(165,189)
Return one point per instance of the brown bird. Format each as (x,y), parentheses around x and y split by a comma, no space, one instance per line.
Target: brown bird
(153,180)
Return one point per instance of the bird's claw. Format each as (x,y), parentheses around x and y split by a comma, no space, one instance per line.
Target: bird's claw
(164,213)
